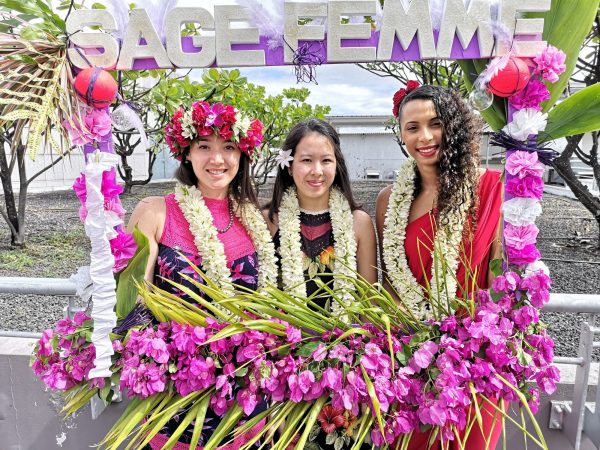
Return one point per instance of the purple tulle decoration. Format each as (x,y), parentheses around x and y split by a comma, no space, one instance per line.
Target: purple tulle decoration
(306,58)
(139,315)
(501,139)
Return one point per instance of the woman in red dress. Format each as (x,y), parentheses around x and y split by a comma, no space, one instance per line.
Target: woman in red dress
(438,225)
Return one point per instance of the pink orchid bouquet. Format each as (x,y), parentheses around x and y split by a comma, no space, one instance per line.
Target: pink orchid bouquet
(63,357)
(377,380)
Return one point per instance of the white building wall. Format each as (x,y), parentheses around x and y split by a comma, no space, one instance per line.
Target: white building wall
(371,153)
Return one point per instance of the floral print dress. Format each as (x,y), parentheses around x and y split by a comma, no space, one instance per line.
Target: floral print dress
(317,242)
(176,253)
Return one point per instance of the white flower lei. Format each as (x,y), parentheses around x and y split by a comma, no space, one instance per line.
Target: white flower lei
(214,261)
(447,242)
(344,247)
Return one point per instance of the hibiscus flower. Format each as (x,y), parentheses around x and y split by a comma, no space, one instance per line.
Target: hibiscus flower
(331,418)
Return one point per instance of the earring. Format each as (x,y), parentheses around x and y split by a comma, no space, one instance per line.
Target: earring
(186,162)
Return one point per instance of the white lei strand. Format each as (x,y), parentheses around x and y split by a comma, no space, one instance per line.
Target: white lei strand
(211,249)
(344,247)
(447,243)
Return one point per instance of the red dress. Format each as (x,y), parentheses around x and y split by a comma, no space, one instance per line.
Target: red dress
(475,253)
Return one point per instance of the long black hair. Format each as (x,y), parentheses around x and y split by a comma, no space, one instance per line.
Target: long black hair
(284,180)
(459,153)
(241,187)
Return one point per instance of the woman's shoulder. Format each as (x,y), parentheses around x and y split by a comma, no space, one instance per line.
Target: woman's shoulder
(385,193)
(361,217)
(153,203)
(487,175)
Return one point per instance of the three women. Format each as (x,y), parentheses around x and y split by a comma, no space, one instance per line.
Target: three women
(440,201)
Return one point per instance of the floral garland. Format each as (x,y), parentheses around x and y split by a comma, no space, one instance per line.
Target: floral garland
(204,119)
(447,243)
(344,248)
(211,248)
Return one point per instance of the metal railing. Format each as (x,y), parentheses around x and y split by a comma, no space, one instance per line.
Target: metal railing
(573,417)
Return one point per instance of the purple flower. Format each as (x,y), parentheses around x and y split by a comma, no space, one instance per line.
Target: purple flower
(422,357)
(532,96)
(96,124)
(523,164)
(332,379)
(525,316)
(123,247)
(550,63)
(528,187)
(506,283)
(518,237)
(294,335)
(342,353)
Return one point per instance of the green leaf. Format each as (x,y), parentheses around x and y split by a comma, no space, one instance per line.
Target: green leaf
(495,115)
(565,26)
(127,290)
(577,114)
(307,349)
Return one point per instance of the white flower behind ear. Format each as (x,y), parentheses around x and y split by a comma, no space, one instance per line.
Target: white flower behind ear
(526,122)
(284,158)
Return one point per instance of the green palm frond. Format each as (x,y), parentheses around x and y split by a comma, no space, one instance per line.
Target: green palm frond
(35,86)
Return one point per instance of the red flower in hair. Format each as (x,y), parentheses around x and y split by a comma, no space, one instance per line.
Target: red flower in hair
(401,93)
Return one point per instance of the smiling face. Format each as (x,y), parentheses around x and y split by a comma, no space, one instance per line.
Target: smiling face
(215,162)
(313,170)
(421,131)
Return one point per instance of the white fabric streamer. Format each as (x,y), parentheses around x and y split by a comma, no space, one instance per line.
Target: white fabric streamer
(83,283)
(99,226)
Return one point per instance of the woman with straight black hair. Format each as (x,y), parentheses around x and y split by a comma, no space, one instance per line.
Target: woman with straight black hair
(318,227)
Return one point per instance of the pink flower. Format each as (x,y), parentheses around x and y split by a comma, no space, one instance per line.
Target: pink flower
(320,353)
(529,187)
(294,335)
(523,164)
(525,316)
(524,256)
(422,357)
(550,63)
(519,237)
(123,247)
(538,288)
(532,96)
(45,343)
(248,400)
(332,379)
(507,282)
(96,125)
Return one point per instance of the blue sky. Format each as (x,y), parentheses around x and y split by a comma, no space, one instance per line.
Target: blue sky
(347,88)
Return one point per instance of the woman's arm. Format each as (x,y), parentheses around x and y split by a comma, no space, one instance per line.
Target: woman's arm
(366,253)
(149,215)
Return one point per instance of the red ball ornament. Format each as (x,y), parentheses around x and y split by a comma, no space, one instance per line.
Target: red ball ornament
(96,87)
(510,80)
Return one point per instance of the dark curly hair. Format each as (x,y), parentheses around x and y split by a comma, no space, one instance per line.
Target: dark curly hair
(459,154)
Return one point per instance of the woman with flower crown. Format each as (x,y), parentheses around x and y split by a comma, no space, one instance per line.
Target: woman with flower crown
(211,221)
(438,224)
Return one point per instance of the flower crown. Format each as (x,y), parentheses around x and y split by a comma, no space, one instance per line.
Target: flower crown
(401,93)
(204,119)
